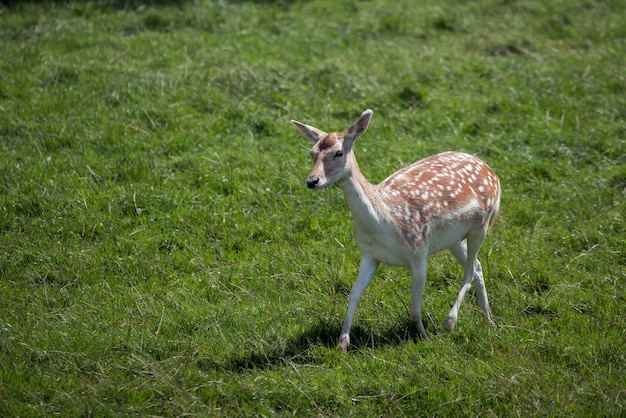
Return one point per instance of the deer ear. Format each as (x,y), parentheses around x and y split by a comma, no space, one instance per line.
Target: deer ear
(359,127)
(310,132)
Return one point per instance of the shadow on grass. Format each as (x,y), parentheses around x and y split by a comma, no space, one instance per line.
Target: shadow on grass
(299,349)
(119,4)
(134,4)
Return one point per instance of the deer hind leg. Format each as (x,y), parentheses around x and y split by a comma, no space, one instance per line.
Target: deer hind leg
(465,252)
(367,269)
(481,291)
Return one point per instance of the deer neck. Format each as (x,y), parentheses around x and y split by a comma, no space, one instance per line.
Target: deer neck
(362,198)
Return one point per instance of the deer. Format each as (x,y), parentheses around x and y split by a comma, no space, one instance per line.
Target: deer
(446,201)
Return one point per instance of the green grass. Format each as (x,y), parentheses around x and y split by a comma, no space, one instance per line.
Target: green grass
(161,255)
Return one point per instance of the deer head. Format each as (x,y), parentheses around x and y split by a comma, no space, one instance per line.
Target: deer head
(332,153)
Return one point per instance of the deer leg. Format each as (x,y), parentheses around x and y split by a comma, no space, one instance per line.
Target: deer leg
(367,269)
(460,253)
(465,252)
(481,291)
(418,282)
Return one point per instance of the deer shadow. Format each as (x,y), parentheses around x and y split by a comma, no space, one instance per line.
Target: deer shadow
(298,349)
(115,4)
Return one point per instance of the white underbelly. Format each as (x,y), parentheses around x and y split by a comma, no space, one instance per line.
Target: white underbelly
(391,249)
(440,239)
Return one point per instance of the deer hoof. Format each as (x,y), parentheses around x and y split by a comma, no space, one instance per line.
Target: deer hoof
(344,344)
(450,323)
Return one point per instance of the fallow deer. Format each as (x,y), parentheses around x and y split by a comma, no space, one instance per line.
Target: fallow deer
(447,201)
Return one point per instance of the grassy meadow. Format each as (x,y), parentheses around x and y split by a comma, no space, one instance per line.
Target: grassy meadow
(160,254)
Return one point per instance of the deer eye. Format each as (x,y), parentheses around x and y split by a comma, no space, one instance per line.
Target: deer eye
(338,154)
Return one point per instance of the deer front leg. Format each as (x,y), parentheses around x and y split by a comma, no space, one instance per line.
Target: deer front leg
(418,282)
(367,269)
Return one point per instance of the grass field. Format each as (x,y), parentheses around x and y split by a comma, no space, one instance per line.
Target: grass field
(160,254)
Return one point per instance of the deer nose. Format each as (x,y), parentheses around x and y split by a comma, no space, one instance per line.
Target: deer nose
(312,182)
